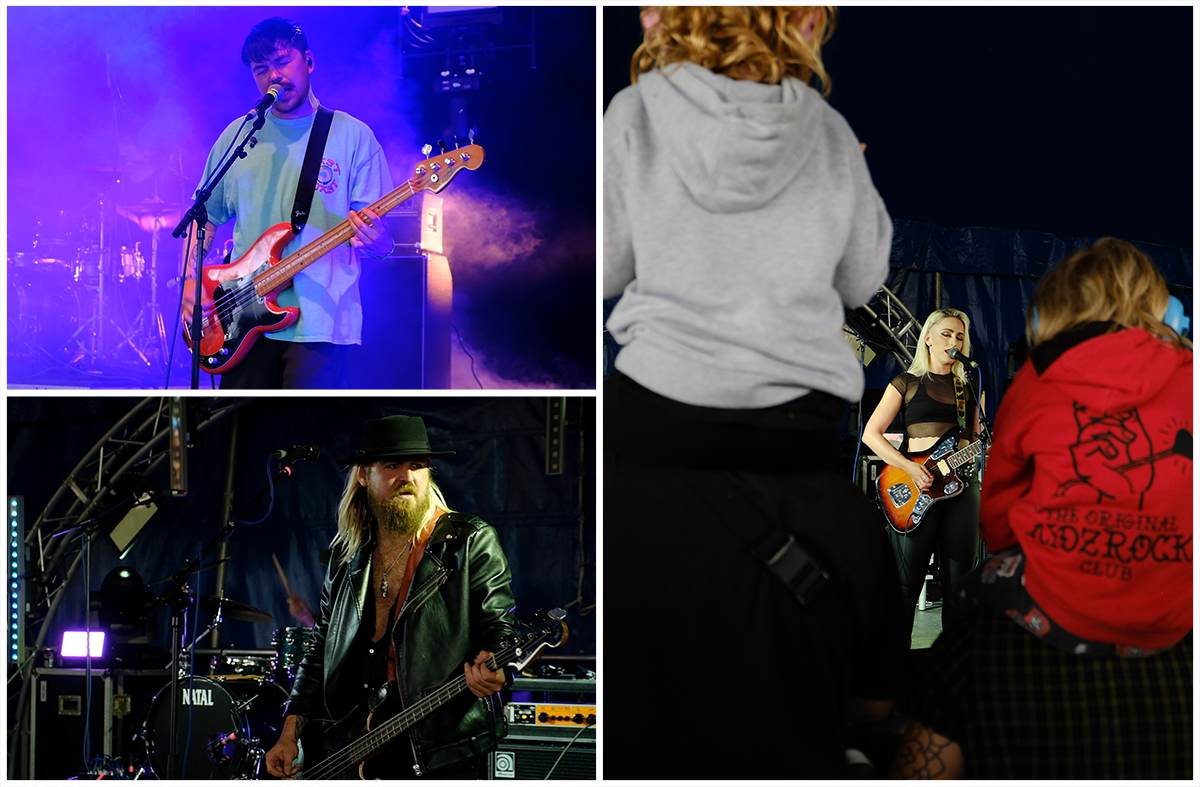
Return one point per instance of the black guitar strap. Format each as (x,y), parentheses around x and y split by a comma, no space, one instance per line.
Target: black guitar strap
(767,540)
(312,165)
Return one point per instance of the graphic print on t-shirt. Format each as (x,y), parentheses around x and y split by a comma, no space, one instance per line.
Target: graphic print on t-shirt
(327,178)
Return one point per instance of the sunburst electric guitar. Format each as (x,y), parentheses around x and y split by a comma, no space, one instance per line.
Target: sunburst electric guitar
(239,298)
(343,749)
(904,504)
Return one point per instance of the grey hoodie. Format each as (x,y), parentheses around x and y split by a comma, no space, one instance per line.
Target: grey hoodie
(739,218)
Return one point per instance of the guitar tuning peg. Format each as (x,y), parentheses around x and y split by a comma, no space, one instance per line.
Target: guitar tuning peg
(471,135)
(426,149)
(442,145)
(456,142)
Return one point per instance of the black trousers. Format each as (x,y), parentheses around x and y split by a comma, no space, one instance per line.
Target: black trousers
(725,675)
(273,364)
(952,526)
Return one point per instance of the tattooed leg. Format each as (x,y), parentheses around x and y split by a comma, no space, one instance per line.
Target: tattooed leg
(924,754)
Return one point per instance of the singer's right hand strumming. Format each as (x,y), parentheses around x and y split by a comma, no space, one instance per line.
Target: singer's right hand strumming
(281,758)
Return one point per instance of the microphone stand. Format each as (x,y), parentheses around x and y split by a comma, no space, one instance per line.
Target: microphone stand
(180,597)
(199,214)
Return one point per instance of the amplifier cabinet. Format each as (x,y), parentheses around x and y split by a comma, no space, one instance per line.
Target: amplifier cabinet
(119,704)
(545,752)
(408,303)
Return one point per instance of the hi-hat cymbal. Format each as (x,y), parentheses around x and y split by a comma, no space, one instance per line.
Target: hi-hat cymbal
(233,609)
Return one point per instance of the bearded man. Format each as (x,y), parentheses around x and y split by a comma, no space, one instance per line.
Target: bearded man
(415,595)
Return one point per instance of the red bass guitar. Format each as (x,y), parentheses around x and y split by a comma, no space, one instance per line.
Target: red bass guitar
(239,298)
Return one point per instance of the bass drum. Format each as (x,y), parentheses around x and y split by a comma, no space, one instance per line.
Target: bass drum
(224,728)
(44,310)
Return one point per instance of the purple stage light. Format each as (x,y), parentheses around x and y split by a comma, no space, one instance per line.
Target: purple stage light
(73,644)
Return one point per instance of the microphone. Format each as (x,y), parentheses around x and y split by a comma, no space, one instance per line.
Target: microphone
(267,100)
(958,356)
(298,453)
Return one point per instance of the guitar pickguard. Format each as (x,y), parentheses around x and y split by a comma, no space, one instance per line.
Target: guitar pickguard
(241,313)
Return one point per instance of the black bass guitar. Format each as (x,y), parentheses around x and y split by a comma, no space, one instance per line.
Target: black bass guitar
(348,744)
(239,299)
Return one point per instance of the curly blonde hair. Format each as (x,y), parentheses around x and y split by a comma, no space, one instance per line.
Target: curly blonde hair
(761,43)
(1110,281)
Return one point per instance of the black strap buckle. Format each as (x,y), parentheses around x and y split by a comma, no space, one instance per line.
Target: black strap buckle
(796,568)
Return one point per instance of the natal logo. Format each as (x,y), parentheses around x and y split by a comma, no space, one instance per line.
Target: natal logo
(327,178)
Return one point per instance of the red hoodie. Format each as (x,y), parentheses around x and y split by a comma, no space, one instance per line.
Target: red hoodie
(1088,475)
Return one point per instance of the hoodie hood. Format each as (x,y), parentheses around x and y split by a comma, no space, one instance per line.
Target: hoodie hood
(1095,368)
(723,134)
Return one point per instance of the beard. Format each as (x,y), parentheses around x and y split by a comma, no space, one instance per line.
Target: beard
(402,516)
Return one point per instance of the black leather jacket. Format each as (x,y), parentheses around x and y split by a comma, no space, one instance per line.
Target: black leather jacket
(458,604)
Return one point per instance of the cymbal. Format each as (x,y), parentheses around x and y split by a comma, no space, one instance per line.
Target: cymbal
(147,212)
(124,168)
(150,207)
(233,609)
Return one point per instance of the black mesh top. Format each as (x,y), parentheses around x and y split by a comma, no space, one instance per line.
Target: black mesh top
(929,409)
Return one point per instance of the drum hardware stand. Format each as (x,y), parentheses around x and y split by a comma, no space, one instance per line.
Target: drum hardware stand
(149,325)
(179,596)
(98,318)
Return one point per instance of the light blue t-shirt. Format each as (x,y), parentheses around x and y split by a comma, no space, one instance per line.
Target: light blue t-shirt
(259,190)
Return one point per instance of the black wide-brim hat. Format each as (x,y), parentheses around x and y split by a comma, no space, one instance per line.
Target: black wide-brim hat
(394,437)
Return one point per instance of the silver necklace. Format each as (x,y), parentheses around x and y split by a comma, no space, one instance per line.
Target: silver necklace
(383,585)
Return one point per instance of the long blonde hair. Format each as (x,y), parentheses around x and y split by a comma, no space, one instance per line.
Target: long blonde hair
(355,519)
(766,41)
(1110,281)
(920,364)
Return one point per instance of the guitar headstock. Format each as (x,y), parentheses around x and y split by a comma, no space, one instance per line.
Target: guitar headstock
(434,173)
(546,631)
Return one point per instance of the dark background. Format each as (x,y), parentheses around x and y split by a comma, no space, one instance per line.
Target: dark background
(1074,121)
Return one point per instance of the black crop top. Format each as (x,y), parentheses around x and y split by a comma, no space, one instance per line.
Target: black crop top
(929,408)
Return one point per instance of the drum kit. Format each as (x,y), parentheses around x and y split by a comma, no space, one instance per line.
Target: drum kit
(229,718)
(70,292)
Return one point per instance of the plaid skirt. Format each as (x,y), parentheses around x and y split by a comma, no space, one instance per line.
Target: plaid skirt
(1023,709)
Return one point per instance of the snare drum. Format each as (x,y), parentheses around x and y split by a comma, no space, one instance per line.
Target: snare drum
(290,646)
(230,665)
(224,728)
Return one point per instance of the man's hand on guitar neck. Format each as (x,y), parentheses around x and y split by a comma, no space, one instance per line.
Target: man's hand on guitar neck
(370,233)
(482,681)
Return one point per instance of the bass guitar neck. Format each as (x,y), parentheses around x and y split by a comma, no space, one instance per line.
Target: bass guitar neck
(347,745)
(239,300)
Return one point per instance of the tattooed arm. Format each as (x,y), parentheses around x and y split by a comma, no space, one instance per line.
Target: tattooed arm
(189,298)
(924,754)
